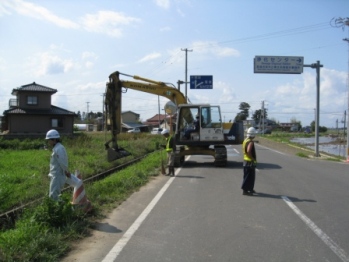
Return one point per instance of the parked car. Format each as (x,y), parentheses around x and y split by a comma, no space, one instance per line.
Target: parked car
(307,129)
(156,131)
(265,131)
(134,130)
(294,129)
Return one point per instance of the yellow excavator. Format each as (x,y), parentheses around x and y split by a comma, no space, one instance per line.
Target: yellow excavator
(209,138)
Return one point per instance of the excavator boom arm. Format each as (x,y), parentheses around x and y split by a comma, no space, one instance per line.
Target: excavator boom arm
(113,100)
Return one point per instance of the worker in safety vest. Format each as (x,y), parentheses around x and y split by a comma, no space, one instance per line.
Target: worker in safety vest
(170,149)
(249,164)
(58,164)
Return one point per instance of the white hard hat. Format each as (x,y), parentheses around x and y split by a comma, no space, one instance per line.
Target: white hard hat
(52,134)
(251,132)
(165,131)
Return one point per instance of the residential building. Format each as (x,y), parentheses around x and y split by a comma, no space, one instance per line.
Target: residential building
(31,113)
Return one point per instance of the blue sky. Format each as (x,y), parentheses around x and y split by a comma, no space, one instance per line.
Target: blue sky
(73,46)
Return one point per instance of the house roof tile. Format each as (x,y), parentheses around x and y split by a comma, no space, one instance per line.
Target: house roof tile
(54,110)
(156,118)
(34,87)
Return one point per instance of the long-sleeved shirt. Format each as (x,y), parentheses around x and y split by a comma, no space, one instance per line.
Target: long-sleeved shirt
(59,160)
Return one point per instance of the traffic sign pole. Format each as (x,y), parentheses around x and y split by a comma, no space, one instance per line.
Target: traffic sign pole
(317,67)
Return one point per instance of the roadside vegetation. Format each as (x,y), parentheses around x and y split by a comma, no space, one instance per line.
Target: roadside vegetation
(45,228)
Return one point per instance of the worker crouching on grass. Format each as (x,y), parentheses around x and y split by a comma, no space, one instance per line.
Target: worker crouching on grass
(250,162)
(170,146)
(58,164)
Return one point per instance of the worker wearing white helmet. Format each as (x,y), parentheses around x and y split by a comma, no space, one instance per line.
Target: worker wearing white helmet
(58,164)
(250,162)
(170,149)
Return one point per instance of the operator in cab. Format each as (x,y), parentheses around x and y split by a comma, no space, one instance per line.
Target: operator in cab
(195,129)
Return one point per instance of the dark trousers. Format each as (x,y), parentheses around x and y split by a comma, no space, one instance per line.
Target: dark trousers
(249,178)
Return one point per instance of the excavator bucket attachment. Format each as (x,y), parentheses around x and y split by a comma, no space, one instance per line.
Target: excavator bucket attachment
(114,154)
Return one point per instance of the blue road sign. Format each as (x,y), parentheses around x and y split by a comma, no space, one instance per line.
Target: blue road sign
(201,82)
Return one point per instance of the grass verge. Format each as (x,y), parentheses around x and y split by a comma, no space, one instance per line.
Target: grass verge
(44,232)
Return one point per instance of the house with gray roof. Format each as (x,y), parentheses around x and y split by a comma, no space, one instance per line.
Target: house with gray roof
(32,114)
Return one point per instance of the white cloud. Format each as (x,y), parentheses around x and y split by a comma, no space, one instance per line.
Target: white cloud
(165,29)
(104,22)
(89,58)
(180,12)
(213,48)
(89,55)
(3,10)
(49,64)
(2,63)
(149,57)
(107,22)
(298,98)
(163,3)
(35,11)
(89,64)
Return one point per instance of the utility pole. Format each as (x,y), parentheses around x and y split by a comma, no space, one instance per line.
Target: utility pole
(347,40)
(87,110)
(345,119)
(103,107)
(262,116)
(343,22)
(186,71)
(317,66)
(159,110)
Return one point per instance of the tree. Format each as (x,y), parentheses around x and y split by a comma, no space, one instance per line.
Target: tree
(78,116)
(258,114)
(322,129)
(244,113)
(295,122)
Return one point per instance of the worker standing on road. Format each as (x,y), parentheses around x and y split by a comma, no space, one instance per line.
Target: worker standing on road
(170,148)
(249,164)
(58,164)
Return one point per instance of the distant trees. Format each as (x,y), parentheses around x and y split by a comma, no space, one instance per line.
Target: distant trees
(260,114)
(88,118)
(244,113)
(297,123)
(322,129)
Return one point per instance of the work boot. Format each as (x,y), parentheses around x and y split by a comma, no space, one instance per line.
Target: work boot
(172,173)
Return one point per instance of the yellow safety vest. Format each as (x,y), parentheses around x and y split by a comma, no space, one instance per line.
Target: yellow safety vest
(244,148)
(168,149)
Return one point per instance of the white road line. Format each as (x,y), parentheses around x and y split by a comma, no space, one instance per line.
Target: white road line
(237,151)
(272,150)
(326,239)
(117,248)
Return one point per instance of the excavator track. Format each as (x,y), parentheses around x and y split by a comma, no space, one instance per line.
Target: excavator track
(220,156)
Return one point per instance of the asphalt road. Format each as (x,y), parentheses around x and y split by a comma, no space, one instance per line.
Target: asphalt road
(300,213)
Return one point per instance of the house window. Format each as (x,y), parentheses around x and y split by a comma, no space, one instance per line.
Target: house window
(57,122)
(32,100)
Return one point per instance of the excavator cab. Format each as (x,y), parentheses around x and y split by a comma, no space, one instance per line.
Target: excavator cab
(199,123)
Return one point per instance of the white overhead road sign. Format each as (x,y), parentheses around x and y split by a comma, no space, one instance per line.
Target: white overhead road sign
(278,64)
